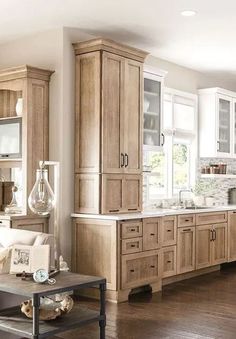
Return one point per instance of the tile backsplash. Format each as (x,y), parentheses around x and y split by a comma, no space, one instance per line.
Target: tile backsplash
(219,190)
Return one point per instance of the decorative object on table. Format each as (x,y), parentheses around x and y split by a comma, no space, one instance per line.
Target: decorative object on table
(42,276)
(19,107)
(12,208)
(29,258)
(63,264)
(49,308)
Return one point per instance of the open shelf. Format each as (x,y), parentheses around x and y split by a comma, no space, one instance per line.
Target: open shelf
(219,176)
(11,118)
(15,322)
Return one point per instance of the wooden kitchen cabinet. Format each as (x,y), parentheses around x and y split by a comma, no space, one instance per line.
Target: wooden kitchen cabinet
(232,236)
(219,252)
(26,222)
(186,249)
(169,230)
(108,132)
(151,233)
(169,261)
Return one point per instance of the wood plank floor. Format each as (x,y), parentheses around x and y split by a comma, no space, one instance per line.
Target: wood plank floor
(202,307)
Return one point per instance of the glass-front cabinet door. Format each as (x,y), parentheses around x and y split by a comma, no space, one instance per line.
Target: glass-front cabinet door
(152,107)
(224,125)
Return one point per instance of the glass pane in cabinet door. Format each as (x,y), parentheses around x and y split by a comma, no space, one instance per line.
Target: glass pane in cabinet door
(151,112)
(224,126)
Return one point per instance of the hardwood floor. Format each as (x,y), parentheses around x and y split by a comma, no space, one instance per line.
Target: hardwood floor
(202,307)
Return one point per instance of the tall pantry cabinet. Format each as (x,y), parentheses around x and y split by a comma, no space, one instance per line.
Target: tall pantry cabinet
(108,137)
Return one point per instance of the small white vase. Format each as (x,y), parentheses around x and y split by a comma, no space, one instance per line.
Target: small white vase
(19,107)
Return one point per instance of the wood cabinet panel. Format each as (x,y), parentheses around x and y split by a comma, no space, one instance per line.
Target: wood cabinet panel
(231,235)
(211,218)
(151,233)
(186,249)
(95,249)
(87,193)
(131,229)
(31,224)
(186,220)
(203,246)
(169,230)
(87,132)
(133,116)
(169,261)
(133,245)
(132,193)
(112,193)
(140,269)
(219,253)
(112,113)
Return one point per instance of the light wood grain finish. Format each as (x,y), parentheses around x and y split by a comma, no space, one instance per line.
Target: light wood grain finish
(140,268)
(131,229)
(186,249)
(87,193)
(169,230)
(219,252)
(211,218)
(169,261)
(185,220)
(203,246)
(152,233)
(24,71)
(132,193)
(8,100)
(112,113)
(109,46)
(132,245)
(231,235)
(133,116)
(101,237)
(87,122)
(36,224)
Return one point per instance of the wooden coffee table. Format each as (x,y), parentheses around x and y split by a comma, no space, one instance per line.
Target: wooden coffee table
(13,321)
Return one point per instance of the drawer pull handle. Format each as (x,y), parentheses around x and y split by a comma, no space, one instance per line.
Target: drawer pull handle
(234,211)
(168,230)
(187,230)
(152,234)
(169,261)
(187,220)
(133,245)
(132,230)
(152,266)
(131,271)
(113,210)
(132,209)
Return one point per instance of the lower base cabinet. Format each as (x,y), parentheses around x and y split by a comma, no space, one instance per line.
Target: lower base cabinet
(140,269)
(168,261)
(231,236)
(28,223)
(185,249)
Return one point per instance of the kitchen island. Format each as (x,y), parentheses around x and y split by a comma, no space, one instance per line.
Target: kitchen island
(152,248)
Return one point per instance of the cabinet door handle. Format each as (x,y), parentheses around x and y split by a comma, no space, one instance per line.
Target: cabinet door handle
(168,230)
(113,210)
(132,245)
(214,235)
(152,266)
(131,271)
(0,221)
(187,230)
(152,234)
(126,160)
(163,139)
(234,211)
(169,261)
(132,209)
(122,162)
(211,235)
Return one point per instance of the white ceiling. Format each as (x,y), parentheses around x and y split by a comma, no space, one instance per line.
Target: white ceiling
(205,42)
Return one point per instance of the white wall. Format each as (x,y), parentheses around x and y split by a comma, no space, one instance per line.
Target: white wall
(53,50)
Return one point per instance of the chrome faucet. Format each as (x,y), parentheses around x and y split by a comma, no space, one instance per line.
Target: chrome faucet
(180,195)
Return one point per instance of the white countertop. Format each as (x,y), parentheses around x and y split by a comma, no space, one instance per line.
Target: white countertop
(161,212)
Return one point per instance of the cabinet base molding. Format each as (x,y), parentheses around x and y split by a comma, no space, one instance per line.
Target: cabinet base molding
(189,275)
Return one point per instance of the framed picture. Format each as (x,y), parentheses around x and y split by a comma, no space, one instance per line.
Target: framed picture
(29,258)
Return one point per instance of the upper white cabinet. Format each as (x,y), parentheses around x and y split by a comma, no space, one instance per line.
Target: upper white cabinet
(217,119)
(152,106)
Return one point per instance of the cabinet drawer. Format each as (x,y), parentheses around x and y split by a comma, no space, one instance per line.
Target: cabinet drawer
(169,261)
(131,229)
(140,269)
(132,245)
(5,223)
(211,218)
(151,233)
(186,220)
(169,231)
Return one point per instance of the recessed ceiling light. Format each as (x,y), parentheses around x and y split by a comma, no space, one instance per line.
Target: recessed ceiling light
(188,13)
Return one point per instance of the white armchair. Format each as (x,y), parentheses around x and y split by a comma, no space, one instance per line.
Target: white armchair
(10,237)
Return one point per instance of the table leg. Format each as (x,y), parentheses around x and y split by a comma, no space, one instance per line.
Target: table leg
(102,323)
(36,305)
